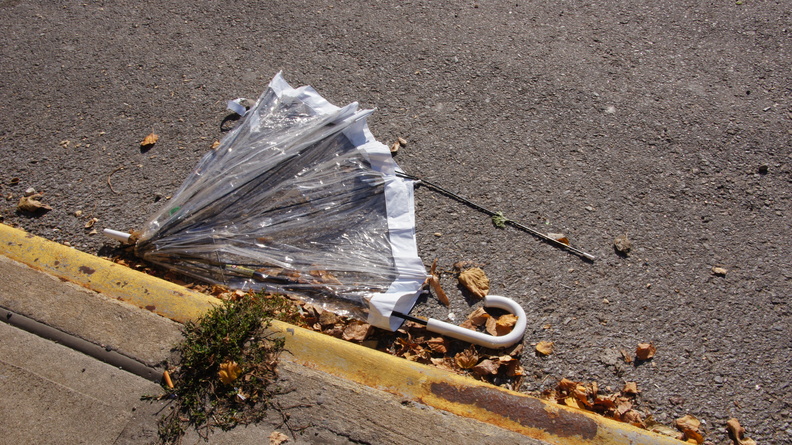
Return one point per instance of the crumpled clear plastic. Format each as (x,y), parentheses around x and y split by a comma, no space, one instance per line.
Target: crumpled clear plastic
(299,198)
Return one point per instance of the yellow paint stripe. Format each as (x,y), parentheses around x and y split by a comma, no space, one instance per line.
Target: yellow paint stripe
(440,389)
(114,280)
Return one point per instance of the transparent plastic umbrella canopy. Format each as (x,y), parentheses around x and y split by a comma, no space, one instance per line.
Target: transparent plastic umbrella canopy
(299,198)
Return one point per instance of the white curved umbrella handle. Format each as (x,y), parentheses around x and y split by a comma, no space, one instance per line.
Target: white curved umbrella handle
(480,338)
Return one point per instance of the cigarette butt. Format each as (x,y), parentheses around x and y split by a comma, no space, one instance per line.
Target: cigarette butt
(168,381)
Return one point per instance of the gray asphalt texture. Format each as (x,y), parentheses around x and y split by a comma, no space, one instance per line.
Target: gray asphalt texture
(670,122)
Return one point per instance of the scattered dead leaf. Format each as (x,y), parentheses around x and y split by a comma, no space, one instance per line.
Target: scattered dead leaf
(659,428)
(324,277)
(560,237)
(693,437)
(90,223)
(467,358)
(32,204)
(645,351)
(215,144)
(737,433)
(486,367)
(356,331)
(491,326)
(622,244)
(719,271)
(505,324)
(545,347)
(149,140)
(229,371)
(277,438)
(634,418)
(475,281)
(434,281)
(687,422)
(630,388)
(438,345)
(478,317)
(626,356)
(689,426)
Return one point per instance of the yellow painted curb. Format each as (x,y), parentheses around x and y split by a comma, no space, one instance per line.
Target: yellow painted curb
(114,280)
(440,389)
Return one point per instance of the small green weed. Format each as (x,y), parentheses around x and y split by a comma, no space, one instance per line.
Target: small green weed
(232,335)
(499,221)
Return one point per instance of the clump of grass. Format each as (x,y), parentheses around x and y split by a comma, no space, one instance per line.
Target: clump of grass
(233,335)
(499,220)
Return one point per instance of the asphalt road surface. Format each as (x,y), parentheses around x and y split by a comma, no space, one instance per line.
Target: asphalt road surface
(669,122)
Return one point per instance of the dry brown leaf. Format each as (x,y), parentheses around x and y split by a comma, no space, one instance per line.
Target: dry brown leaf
(634,418)
(560,237)
(229,371)
(692,436)
(324,277)
(356,331)
(571,401)
(438,345)
(736,431)
(475,281)
(659,428)
(32,204)
(719,271)
(327,318)
(486,367)
(630,388)
(479,317)
(687,422)
(513,369)
(545,347)
(444,363)
(626,356)
(277,438)
(622,244)
(505,324)
(645,351)
(492,326)
(467,358)
(215,144)
(605,402)
(622,407)
(567,385)
(151,139)
(434,281)
(689,425)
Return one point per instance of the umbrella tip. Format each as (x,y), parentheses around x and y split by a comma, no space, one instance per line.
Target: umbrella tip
(117,235)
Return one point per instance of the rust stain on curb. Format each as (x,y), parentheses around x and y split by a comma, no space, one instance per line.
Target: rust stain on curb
(528,412)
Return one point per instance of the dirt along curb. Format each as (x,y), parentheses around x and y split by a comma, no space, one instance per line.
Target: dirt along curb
(440,389)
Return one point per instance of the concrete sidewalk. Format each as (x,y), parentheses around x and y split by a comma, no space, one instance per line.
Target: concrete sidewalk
(337,392)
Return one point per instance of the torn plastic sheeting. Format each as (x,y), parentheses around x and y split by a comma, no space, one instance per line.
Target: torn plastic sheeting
(299,198)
